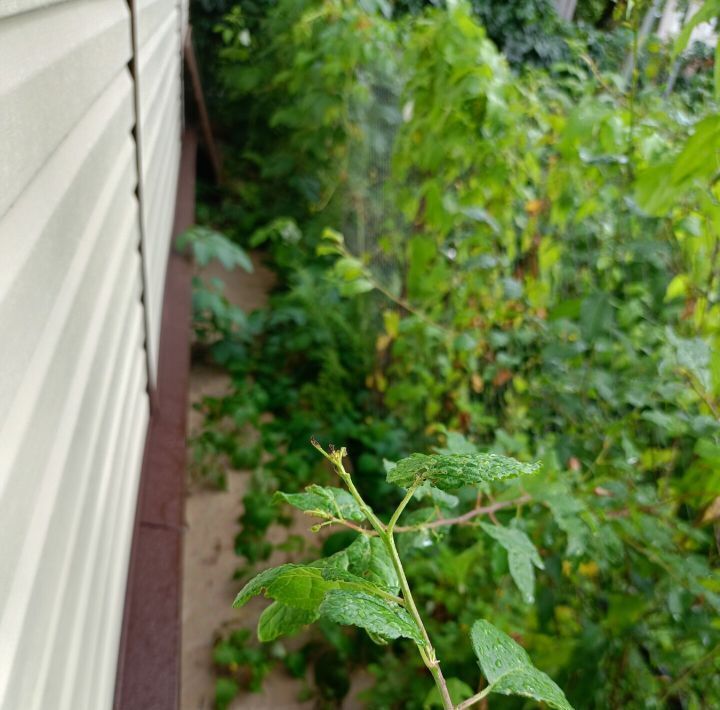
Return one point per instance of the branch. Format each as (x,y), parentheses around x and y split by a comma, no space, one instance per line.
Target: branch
(342,521)
(700,392)
(466,517)
(442,522)
(475,699)
(396,515)
(615,93)
(405,305)
(689,671)
(401,302)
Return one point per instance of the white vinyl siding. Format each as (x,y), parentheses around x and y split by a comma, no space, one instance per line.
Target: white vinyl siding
(82,271)
(159,96)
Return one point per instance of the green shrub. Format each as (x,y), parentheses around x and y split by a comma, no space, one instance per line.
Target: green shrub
(472,259)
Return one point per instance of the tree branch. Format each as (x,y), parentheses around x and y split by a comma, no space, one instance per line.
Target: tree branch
(466,517)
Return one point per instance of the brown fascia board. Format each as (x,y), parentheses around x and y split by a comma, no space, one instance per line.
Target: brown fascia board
(148,674)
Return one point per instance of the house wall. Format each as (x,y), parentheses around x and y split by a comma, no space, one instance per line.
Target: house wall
(674,17)
(158,86)
(88,168)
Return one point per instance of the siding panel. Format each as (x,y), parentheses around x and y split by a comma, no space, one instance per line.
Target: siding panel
(48,234)
(159,25)
(53,64)
(65,553)
(74,372)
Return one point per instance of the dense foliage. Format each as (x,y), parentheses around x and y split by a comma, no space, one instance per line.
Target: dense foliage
(365,584)
(475,259)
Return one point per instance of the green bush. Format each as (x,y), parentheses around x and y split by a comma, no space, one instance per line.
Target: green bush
(476,260)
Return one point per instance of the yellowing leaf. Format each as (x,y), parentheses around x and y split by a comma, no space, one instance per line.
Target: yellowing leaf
(534,207)
(712,512)
(382,343)
(677,288)
(589,569)
(391,320)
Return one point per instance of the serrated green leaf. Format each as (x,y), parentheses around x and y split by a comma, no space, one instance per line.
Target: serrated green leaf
(327,249)
(338,559)
(352,581)
(305,586)
(693,163)
(281,620)
(333,235)
(358,554)
(658,187)
(532,683)
(259,584)
(654,192)
(523,574)
(356,287)
(522,555)
(297,586)
(349,268)
(566,510)
(300,587)
(497,653)
(380,569)
(437,496)
(451,471)
(509,670)
(457,443)
(377,638)
(707,12)
(368,559)
(325,500)
(371,613)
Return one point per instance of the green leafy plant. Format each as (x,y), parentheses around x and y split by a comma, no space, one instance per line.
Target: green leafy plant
(219,326)
(243,665)
(473,257)
(366,585)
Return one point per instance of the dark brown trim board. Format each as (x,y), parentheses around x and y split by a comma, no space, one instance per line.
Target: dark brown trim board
(205,125)
(149,663)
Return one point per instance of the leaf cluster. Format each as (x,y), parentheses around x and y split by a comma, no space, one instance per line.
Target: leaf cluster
(522,264)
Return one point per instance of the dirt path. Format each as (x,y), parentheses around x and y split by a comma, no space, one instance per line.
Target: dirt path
(209,559)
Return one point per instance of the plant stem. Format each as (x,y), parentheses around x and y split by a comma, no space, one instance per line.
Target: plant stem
(427,652)
(689,671)
(475,699)
(404,304)
(700,392)
(439,523)
(465,517)
(408,496)
(385,533)
(366,509)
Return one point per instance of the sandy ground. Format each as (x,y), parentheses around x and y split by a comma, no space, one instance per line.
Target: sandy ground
(209,560)
(208,556)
